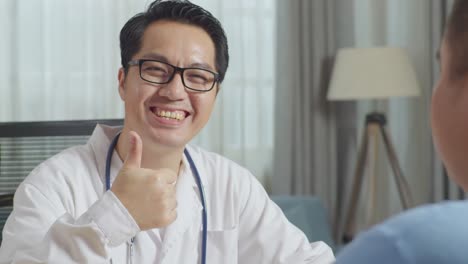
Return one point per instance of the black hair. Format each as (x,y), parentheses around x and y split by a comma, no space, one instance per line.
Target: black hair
(182,11)
(457,39)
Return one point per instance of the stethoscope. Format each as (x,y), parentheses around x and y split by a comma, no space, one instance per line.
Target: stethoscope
(110,151)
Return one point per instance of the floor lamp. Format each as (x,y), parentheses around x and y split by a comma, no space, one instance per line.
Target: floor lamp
(372,73)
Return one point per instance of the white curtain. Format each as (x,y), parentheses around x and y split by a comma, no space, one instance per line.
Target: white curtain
(314,139)
(242,123)
(60,60)
(305,157)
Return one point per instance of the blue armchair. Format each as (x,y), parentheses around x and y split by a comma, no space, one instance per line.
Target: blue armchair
(309,215)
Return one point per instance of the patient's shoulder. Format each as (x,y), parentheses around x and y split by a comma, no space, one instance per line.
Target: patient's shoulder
(422,217)
(426,234)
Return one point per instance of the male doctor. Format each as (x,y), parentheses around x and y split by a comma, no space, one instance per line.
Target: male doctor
(174,57)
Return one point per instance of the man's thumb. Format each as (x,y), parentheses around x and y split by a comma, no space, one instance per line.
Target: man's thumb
(135,149)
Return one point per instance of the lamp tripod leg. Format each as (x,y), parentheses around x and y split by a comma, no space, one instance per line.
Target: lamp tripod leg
(373,157)
(402,184)
(348,233)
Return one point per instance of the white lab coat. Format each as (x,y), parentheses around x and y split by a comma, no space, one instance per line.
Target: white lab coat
(62,214)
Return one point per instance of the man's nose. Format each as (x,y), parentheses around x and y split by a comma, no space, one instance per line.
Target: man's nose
(175,89)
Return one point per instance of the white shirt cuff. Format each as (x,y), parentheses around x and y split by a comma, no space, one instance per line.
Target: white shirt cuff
(115,222)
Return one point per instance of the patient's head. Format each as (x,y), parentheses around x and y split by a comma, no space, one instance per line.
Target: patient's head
(450,100)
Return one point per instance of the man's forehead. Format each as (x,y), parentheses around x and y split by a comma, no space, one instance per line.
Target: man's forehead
(165,39)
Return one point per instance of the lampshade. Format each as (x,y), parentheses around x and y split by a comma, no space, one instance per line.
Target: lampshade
(372,73)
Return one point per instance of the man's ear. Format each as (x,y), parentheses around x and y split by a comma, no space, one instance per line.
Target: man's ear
(121,77)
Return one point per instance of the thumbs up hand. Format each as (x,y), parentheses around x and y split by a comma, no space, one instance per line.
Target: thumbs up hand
(149,195)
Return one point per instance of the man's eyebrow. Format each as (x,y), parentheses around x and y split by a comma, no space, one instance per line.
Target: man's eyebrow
(202,65)
(155,56)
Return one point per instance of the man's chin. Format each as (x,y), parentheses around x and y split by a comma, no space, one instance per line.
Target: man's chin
(166,140)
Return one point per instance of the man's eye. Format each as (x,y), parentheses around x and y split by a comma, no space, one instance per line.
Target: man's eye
(156,72)
(197,78)
(155,69)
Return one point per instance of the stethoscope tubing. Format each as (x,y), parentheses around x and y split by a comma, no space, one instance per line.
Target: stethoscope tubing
(202,198)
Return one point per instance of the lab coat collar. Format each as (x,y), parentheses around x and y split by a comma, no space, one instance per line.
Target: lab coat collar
(100,141)
(199,163)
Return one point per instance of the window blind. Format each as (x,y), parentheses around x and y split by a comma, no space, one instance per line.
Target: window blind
(24,145)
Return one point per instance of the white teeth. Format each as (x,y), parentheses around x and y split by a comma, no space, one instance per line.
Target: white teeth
(170,115)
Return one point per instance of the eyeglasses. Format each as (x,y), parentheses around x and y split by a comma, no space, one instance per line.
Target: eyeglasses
(195,79)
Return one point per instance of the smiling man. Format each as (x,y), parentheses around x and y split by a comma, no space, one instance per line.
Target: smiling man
(139,193)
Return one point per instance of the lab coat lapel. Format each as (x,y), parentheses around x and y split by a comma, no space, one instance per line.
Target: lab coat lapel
(194,152)
(188,213)
(100,141)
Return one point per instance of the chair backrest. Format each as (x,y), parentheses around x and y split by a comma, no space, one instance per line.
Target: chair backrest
(309,215)
(23,145)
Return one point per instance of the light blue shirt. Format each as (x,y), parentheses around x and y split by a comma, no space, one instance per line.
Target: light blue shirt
(428,234)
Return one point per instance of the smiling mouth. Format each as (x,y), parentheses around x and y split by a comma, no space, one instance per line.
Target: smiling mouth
(169,114)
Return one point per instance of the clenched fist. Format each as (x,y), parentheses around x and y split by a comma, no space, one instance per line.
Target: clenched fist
(149,195)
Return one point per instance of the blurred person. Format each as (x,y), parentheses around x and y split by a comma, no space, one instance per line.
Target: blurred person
(435,233)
